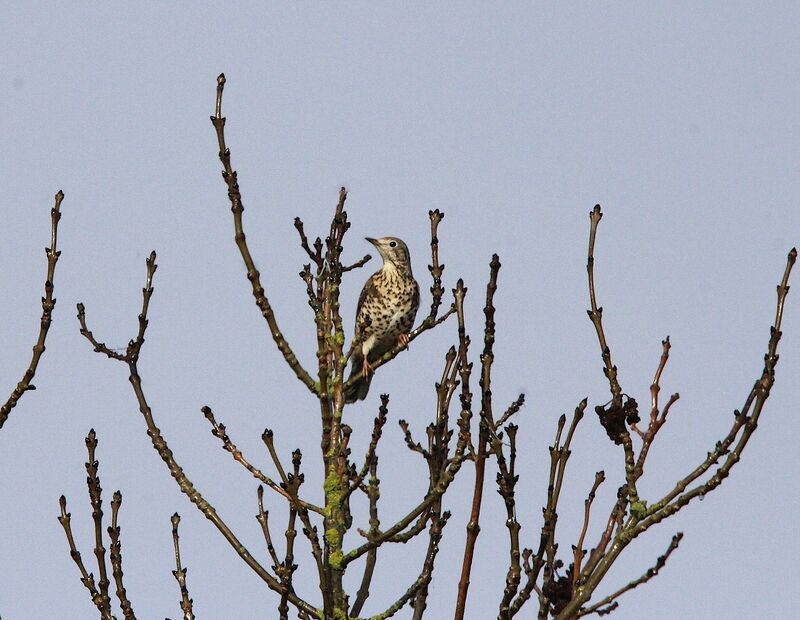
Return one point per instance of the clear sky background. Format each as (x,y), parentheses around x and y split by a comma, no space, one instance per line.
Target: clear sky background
(681,120)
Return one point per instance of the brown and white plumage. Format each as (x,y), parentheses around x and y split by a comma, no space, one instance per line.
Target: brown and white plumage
(385,314)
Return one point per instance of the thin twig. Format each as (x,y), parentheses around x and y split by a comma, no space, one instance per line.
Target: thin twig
(513,408)
(373,494)
(551,547)
(614,521)
(288,565)
(358,264)
(436,269)
(219,431)
(609,603)
(596,314)
(438,454)
(115,555)
(316,254)
(263,519)
(87,578)
(291,484)
(415,529)
(506,483)
(546,553)
(253,275)
(578,551)
(412,445)
(377,431)
(454,465)
(657,419)
(485,425)
(48,303)
(180,572)
(425,576)
(95,497)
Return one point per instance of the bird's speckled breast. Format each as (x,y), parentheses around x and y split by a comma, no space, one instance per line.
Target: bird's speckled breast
(393,310)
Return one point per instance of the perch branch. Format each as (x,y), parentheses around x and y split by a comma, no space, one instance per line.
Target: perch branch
(432,320)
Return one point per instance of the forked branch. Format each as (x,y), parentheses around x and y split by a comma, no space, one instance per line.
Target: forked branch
(631,516)
(486,426)
(99,590)
(608,604)
(130,358)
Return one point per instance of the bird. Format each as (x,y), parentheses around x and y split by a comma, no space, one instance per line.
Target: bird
(385,313)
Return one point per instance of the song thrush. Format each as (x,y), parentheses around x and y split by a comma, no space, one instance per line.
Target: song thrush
(385,313)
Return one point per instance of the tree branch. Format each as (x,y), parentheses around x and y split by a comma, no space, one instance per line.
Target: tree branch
(578,551)
(95,497)
(180,572)
(162,448)
(596,314)
(99,592)
(219,431)
(485,426)
(609,603)
(253,275)
(115,555)
(48,303)
(643,517)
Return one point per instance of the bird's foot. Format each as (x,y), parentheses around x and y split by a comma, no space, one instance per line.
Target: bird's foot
(366,369)
(404,339)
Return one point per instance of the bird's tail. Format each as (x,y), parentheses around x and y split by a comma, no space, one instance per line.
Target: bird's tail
(359,389)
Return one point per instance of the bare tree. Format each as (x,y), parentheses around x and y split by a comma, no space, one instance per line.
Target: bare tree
(563,584)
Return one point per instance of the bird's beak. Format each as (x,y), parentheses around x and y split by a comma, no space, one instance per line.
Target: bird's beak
(372,241)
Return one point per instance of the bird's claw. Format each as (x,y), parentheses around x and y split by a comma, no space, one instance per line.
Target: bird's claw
(366,369)
(404,339)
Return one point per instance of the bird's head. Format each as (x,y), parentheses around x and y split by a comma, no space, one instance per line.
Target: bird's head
(394,251)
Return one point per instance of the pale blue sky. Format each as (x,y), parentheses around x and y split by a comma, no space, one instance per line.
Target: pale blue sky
(680,119)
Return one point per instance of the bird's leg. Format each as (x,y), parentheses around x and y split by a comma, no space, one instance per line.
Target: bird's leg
(404,339)
(366,369)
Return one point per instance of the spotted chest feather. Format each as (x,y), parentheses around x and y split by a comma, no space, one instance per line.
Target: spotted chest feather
(387,309)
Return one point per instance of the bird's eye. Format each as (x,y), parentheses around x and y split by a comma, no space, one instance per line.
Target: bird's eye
(393,244)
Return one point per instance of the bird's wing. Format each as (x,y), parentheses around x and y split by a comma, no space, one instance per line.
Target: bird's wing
(415,299)
(370,290)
